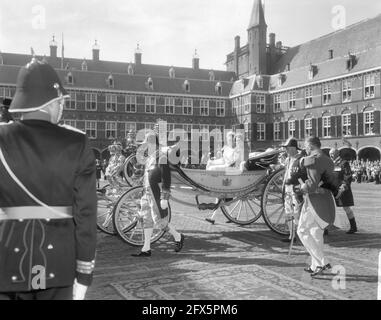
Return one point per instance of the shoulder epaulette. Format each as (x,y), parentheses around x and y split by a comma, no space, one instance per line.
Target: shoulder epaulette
(66,126)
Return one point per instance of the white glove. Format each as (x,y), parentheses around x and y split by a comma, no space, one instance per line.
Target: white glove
(164,204)
(79,291)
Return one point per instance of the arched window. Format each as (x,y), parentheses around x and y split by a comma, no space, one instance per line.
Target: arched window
(369,121)
(308,126)
(291,127)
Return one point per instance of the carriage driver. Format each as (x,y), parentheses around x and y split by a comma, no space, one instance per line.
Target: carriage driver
(115,165)
(292,200)
(154,202)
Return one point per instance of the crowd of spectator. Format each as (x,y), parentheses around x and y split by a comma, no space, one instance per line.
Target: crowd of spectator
(365,171)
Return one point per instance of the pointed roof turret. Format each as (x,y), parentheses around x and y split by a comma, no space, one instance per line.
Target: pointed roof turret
(257,15)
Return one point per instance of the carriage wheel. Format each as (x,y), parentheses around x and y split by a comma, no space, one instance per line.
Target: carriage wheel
(127,222)
(105,210)
(273,204)
(245,210)
(133,172)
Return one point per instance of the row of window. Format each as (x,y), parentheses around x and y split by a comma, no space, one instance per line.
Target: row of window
(245,102)
(346,91)
(111,129)
(150,104)
(346,126)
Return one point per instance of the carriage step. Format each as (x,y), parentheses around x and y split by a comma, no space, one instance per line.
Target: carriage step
(207,206)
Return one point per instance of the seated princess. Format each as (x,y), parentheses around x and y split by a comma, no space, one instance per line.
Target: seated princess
(231,156)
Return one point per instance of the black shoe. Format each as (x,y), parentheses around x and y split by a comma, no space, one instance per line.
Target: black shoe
(212,221)
(308,270)
(353,228)
(179,244)
(320,270)
(142,254)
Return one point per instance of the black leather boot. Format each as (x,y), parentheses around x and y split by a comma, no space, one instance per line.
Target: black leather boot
(353,228)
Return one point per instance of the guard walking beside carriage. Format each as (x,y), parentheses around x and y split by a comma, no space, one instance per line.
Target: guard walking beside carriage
(344,199)
(48,200)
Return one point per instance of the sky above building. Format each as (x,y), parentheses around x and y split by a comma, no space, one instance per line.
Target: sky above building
(168,31)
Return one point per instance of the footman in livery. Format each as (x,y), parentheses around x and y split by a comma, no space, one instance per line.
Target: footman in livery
(47,195)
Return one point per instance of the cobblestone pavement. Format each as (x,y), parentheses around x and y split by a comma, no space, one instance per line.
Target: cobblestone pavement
(226,261)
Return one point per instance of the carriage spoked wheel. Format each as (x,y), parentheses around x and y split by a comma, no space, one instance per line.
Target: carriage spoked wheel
(105,209)
(126,219)
(133,171)
(273,203)
(245,210)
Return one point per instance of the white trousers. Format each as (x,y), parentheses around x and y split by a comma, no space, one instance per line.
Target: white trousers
(311,234)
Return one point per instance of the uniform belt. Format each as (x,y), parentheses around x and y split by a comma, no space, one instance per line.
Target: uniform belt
(35,212)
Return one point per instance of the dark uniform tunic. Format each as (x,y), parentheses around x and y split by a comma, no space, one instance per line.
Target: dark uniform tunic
(343,175)
(58,167)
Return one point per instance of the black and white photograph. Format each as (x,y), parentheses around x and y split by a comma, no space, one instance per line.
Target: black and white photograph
(202,152)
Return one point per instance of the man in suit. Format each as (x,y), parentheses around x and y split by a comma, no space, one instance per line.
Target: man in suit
(48,200)
(318,210)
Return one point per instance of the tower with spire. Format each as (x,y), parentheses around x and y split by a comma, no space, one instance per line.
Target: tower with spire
(257,36)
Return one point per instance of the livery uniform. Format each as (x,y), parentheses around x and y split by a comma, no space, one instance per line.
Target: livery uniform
(48,229)
(115,166)
(157,171)
(318,210)
(292,200)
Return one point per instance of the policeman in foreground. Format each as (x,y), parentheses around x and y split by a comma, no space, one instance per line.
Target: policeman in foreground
(47,195)
(318,210)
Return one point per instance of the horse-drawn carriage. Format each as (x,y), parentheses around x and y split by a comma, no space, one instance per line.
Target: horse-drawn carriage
(243,197)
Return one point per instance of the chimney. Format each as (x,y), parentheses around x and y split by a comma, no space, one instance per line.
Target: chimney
(196,61)
(237,43)
(53,48)
(138,55)
(279,47)
(96,50)
(272,40)
(236,54)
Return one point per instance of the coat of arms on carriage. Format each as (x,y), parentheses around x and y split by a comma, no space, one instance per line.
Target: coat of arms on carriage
(227,182)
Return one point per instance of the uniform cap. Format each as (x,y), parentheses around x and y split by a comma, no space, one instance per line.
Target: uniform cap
(37,85)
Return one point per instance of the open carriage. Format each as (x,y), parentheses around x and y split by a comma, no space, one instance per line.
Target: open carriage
(243,197)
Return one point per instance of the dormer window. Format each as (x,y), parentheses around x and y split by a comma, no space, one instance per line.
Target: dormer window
(110,81)
(311,72)
(330,54)
(288,67)
(172,73)
(351,62)
(280,79)
(70,78)
(130,69)
(150,83)
(211,75)
(219,88)
(84,65)
(260,82)
(186,86)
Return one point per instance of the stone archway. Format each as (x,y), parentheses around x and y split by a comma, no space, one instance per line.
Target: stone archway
(369,153)
(348,154)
